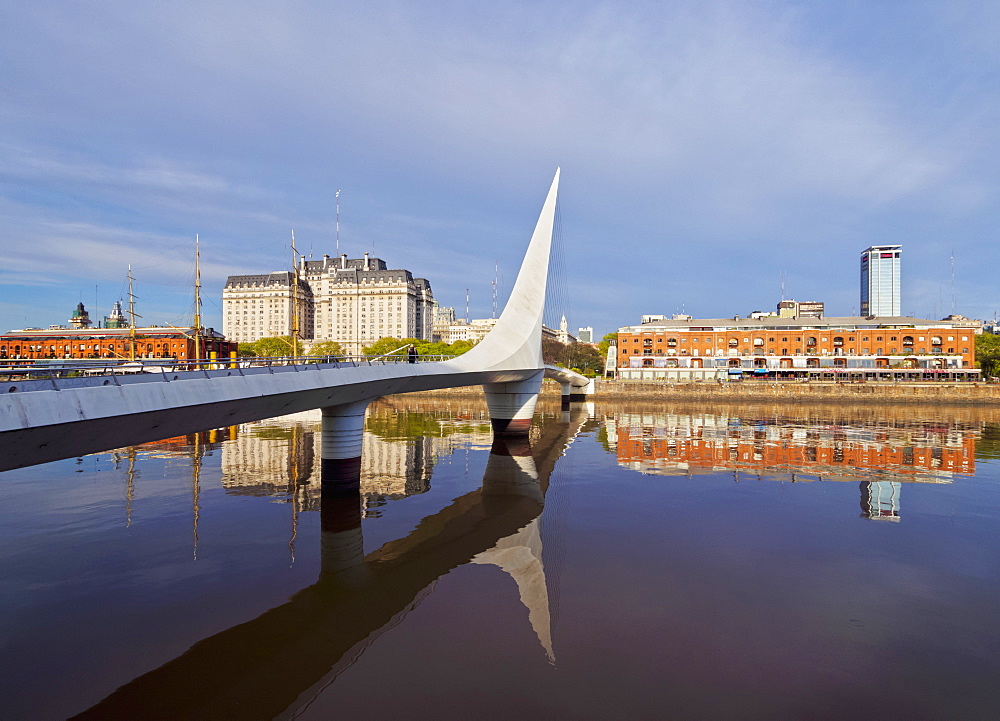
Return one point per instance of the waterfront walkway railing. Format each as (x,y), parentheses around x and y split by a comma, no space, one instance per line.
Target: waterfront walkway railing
(21,370)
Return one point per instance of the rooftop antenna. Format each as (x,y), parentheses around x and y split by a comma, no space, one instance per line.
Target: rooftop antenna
(337,196)
(782,285)
(466,305)
(295,298)
(953,281)
(496,277)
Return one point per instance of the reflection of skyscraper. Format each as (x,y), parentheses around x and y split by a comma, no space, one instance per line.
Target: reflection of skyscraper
(880,280)
(880,500)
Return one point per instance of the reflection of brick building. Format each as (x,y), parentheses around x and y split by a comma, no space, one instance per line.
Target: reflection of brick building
(670,444)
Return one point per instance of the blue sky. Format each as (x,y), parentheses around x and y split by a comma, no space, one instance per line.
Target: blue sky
(706,148)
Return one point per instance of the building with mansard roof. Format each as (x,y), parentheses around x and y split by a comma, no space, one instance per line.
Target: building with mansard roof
(353,302)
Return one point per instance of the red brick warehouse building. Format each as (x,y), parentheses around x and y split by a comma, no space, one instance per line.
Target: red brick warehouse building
(122,343)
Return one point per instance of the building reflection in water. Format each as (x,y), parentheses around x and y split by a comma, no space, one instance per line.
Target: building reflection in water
(783,448)
(280,456)
(281,660)
(880,500)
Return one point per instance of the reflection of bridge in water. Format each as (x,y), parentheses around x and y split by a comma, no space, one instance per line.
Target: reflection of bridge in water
(281,659)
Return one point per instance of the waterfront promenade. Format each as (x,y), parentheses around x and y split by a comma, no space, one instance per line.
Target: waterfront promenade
(788,392)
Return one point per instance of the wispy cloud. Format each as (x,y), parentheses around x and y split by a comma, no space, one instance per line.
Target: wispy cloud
(683,129)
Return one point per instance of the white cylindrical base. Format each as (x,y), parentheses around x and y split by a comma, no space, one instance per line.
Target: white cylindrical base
(342,435)
(512,405)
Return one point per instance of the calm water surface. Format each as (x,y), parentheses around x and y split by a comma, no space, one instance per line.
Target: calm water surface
(760,562)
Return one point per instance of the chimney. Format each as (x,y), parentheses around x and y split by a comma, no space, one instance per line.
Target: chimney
(366,261)
(343,260)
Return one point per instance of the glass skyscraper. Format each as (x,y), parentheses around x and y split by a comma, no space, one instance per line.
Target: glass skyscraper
(880,280)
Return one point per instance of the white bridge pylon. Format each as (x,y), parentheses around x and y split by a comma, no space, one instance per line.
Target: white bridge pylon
(46,420)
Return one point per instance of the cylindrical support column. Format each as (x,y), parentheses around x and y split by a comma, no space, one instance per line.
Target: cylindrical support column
(579,394)
(512,405)
(510,470)
(342,545)
(343,430)
(566,397)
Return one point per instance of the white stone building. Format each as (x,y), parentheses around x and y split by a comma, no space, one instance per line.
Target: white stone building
(353,302)
(264,306)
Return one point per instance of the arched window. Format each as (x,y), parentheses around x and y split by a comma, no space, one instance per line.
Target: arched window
(811,341)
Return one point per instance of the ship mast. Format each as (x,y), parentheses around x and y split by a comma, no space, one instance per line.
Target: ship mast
(197,298)
(132,317)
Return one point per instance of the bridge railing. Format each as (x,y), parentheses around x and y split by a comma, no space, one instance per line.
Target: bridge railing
(20,369)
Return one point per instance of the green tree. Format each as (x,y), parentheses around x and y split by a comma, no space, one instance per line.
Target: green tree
(275,347)
(246,350)
(988,354)
(605,343)
(552,351)
(583,358)
(459,347)
(385,346)
(389,346)
(326,348)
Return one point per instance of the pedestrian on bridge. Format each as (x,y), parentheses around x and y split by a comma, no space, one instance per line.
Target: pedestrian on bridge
(411,354)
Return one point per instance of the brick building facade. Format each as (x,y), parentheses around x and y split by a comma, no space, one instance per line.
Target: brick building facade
(784,345)
(111,343)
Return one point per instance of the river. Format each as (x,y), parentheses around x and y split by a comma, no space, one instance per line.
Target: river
(634,561)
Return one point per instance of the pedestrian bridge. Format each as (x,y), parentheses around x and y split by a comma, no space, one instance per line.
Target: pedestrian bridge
(55,418)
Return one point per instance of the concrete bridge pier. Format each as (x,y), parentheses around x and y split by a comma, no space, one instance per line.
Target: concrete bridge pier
(511,471)
(343,430)
(575,394)
(512,405)
(341,542)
